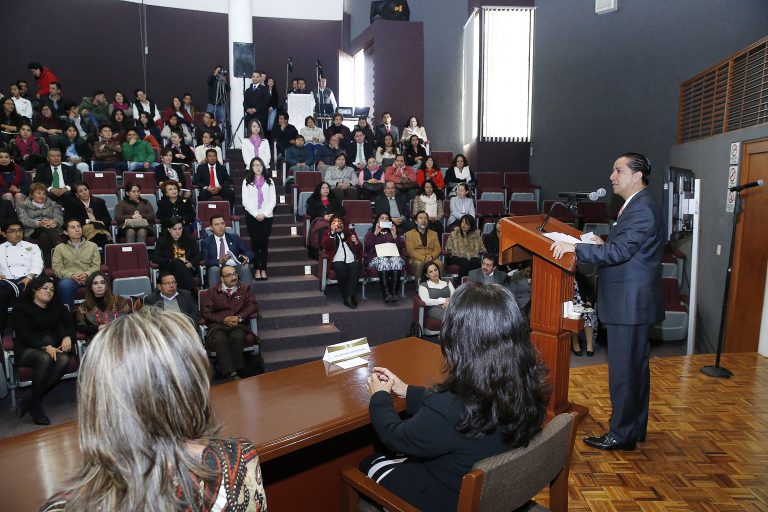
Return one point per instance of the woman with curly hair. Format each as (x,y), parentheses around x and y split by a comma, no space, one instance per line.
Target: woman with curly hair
(100,306)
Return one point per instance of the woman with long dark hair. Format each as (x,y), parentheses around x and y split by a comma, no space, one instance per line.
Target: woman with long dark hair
(100,307)
(259,202)
(177,253)
(493,399)
(147,429)
(459,172)
(274,102)
(44,339)
(175,125)
(428,201)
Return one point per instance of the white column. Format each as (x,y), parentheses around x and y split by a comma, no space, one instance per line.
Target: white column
(240,23)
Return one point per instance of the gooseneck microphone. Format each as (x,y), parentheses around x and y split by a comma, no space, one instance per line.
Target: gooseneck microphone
(592,196)
(739,188)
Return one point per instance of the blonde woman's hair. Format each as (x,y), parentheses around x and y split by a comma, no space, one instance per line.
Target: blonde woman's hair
(143,393)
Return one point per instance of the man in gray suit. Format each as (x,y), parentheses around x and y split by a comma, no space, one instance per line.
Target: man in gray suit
(629,298)
(487,273)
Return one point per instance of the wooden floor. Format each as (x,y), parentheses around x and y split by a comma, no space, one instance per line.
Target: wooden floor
(707,444)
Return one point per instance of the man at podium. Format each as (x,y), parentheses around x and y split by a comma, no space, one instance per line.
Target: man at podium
(629,298)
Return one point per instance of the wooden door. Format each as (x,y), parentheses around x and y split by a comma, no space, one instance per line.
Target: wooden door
(750,257)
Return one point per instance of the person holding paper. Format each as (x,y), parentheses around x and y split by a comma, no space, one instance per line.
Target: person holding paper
(224,250)
(629,298)
(345,251)
(380,241)
(464,418)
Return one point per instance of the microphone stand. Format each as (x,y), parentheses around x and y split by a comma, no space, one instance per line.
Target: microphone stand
(571,205)
(718,371)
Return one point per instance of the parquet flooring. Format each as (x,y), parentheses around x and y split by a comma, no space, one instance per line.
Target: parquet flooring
(707,443)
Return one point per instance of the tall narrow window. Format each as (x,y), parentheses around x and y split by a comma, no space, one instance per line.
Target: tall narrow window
(471,86)
(503,68)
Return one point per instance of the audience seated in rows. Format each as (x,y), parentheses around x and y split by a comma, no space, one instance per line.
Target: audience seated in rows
(395,205)
(167,171)
(75,150)
(326,154)
(206,142)
(313,135)
(14,182)
(414,127)
(459,172)
(107,152)
(359,151)
(173,205)
(338,128)
(299,157)
(461,204)
(387,128)
(175,125)
(138,153)
(58,178)
(147,130)
(364,126)
(320,208)
(403,177)
(387,151)
(342,179)
(168,297)
(415,153)
(371,180)
(27,150)
(427,200)
(283,134)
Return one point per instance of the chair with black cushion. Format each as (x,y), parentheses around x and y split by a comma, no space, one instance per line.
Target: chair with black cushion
(504,482)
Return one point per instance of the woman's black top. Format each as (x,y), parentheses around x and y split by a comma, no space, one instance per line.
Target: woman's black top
(164,253)
(316,209)
(32,324)
(182,209)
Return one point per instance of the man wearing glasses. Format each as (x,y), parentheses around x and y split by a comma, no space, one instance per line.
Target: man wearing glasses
(20,262)
(227,309)
(169,298)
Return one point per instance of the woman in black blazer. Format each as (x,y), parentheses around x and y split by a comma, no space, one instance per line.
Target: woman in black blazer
(174,205)
(493,399)
(177,253)
(92,213)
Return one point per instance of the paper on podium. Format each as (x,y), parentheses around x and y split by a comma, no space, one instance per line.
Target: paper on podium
(586,238)
(388,249)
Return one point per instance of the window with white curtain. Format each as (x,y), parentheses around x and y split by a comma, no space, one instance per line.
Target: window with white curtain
(471,87)
(354,73)
(498,60)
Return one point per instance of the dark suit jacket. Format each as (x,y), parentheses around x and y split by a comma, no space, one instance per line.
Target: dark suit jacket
(260,100)
(382,205)
(381,131)
(368,152)
(211,251)
(75,209)
(44,175)
(185,300)
(202,176)
(629,290)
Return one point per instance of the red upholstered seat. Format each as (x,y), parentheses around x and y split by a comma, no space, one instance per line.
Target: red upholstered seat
(102,182)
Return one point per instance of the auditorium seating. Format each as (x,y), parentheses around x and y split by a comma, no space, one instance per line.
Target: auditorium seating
(102,182)
(675,324)
(207,209)
(129,268)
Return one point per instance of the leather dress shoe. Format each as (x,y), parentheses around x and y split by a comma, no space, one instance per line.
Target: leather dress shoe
(348,302)
(353,299)
(41,419)
(575,352)
(609,442)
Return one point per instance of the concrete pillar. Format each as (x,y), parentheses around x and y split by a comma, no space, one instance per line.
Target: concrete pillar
(240,23)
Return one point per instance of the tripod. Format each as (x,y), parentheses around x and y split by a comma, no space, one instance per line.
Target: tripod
(242,119)
(222,98)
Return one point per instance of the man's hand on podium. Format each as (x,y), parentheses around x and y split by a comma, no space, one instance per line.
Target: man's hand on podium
(560,248)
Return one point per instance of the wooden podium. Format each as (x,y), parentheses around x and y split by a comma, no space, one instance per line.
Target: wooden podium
(551,286)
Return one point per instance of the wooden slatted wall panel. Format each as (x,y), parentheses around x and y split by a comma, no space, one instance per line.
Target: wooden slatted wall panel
(731,95)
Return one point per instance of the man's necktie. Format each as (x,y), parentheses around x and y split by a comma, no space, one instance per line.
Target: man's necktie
(213,176)
(222,248)
(360,157)
(55,183)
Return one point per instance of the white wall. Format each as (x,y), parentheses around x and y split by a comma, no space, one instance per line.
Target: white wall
(296,9)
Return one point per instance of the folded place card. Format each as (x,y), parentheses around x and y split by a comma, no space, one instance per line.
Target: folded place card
(346,350)
(274,174)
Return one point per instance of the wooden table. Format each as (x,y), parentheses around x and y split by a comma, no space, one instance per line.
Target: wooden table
(306,422)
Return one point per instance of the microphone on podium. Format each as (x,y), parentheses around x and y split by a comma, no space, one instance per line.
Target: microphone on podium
(739,188)
(592,196)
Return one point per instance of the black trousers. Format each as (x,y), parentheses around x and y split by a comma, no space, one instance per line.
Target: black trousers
(7,298)
(227,193)
(629,379)
(46,373)
(185,277)
(389,280)
(259,232)
(228,343)
(464,264)
(347,274)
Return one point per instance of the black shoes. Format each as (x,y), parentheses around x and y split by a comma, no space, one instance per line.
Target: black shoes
(609,442)
(21,410)
(577,353)
(40,418)
(350,302)
(590,353)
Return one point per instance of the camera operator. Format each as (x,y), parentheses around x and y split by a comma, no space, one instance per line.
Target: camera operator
(216,104)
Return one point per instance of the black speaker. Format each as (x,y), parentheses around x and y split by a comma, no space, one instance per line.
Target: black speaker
(245,59)
(397,10)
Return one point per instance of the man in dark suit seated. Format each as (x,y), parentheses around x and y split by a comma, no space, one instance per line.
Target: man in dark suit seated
(359,151)
(395,204)
(629,298)
(212,179)
(387,128)
(227,308)
(225,250)
(167,297)
(58,178)
(488,273)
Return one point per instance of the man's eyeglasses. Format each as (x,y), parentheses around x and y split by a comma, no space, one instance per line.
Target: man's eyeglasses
(13,230)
